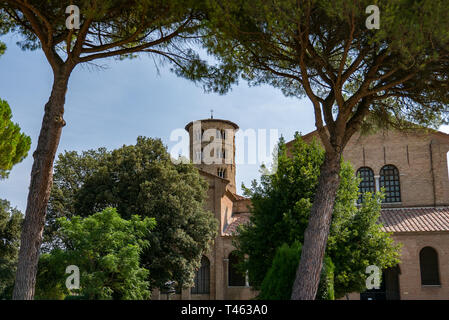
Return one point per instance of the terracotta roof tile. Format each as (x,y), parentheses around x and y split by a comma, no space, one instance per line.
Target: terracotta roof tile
(415,219)
(239,197)
(237,219)
(393,220)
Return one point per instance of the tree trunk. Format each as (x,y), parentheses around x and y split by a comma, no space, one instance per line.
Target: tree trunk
(40,186)
(315,236)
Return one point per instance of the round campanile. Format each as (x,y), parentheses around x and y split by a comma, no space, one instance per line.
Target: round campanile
(212,147)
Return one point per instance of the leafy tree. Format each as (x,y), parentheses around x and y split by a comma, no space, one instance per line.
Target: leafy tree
(141,179)
(281,209)
(14,145)
(107,250)
(163,29)
(70,172)
(51,276)
(10,225)
(324,50)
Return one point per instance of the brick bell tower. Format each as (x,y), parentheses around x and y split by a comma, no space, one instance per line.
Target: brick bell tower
(212,147)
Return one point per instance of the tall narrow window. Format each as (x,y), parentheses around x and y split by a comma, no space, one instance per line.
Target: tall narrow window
(202,278)
(221,173)
(428,261)
(235,277)
(367,184)
(389,179)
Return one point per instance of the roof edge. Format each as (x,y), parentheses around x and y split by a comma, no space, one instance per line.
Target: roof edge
(236,127)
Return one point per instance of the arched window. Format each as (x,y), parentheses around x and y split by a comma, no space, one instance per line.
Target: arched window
(235,277)
(428,262)
(389,179)
(202,278)
(367,184)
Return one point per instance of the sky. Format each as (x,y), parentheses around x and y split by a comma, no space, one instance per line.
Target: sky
(111,104)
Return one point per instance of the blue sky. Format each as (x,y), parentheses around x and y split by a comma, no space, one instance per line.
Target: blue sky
(113,105)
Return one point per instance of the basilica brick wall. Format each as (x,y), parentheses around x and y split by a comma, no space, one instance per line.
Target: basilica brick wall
(410,276)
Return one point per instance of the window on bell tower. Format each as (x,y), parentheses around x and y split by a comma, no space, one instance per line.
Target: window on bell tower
(221,172)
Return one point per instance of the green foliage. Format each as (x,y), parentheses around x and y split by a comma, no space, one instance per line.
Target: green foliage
(166,30)
(326,289)
(10,226)
(70,171)
(107,250)
(51,276)
(14,145)
(323,49)
(278,282)
(141,179)
(280,209)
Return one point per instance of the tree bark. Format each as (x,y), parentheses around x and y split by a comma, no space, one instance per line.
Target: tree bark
(40,186)
(315,237)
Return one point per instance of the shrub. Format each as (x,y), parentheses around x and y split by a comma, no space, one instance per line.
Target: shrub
(278,283)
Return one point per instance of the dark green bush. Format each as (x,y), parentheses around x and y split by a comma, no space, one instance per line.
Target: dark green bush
(278,282)
(326,287)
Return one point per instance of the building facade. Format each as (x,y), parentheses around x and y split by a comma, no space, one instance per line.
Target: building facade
(410,166)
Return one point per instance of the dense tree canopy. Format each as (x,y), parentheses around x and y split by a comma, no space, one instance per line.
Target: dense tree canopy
(10,226)
(140,179)
(165,29)
(106,248)
(70,173)
(325,51)
(280,211)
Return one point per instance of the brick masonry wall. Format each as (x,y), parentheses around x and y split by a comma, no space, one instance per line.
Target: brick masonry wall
(421,159)
(410,277)
(414,154)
